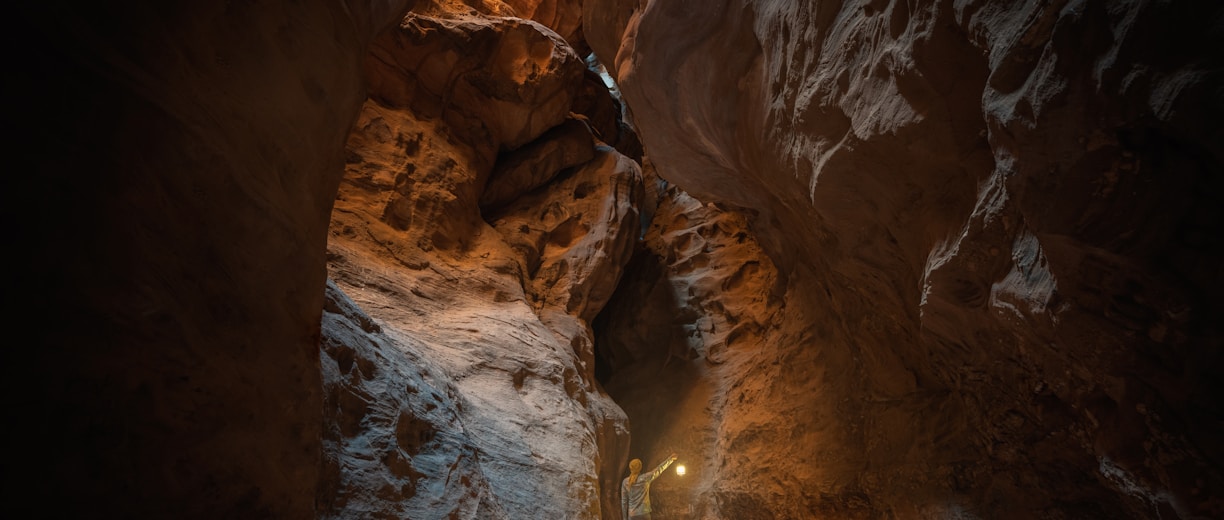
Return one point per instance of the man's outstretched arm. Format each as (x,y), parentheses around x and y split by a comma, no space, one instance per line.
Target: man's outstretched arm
(663,466)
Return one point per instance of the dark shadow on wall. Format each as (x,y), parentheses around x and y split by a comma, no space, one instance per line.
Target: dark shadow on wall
(178,165)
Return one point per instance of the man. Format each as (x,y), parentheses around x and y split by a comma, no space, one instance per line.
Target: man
(635,489)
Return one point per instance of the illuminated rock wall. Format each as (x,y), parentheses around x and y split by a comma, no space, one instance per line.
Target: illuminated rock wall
(482,224)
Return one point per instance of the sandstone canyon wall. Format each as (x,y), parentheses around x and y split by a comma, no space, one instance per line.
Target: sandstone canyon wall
(880,259)
(992,242)
(483,221)
(179,166)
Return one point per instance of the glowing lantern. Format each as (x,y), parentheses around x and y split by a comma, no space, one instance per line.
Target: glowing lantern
(680,470)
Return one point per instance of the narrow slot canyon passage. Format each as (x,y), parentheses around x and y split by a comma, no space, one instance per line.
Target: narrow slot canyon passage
(465,259)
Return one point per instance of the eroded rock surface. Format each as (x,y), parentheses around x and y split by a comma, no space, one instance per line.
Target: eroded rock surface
(997,229)
(394,444)
(683,333)
(481,226)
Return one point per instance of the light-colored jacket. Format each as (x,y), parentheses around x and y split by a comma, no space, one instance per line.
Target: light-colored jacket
(635,499)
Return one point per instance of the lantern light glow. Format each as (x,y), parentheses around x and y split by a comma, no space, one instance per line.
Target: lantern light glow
(680,469)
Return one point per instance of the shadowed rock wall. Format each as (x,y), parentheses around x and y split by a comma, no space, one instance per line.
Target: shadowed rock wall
(182,163)
(996,229)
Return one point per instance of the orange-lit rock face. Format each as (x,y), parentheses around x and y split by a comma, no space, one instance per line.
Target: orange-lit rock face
(481,227)
(991,227)
(686,328)
(562,16)
(503,80)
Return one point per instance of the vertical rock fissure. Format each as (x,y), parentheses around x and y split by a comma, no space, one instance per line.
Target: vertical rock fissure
(698,300)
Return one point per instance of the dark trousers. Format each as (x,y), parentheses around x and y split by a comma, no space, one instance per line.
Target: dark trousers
(643,517)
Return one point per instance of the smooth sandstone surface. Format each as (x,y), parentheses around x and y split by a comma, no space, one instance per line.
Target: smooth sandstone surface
(179,166)
(992,237)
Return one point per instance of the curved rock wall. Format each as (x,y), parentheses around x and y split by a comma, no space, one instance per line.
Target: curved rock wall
(997,228)
(181,164)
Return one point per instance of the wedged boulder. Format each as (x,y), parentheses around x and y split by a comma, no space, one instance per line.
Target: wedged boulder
(474,86)
(493,80)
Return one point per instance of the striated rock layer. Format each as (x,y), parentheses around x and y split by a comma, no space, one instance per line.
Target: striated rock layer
(993,240)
